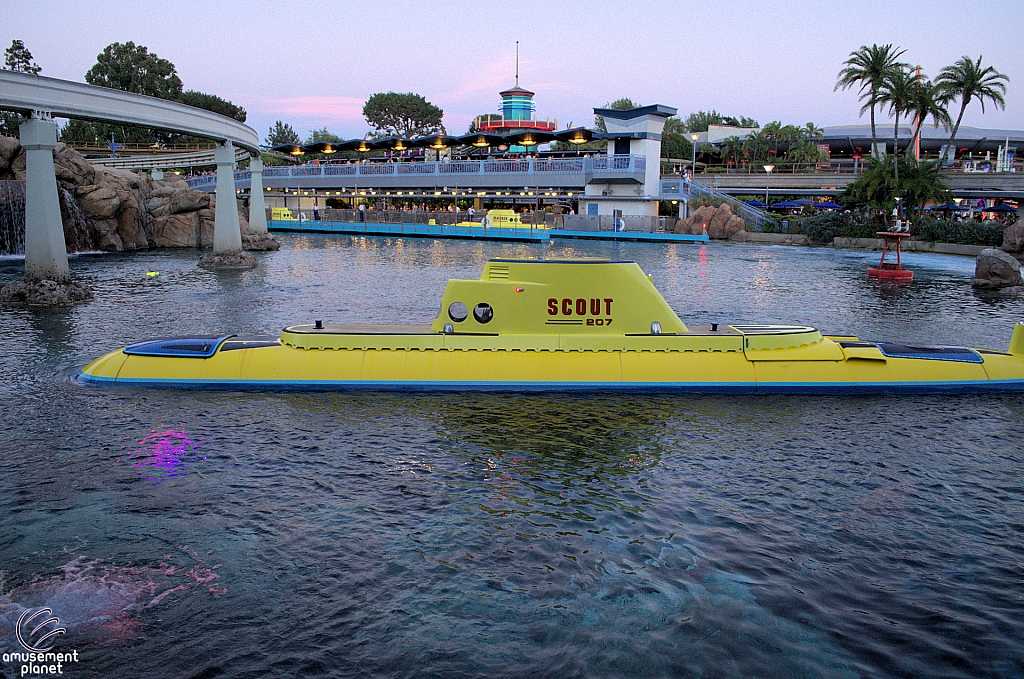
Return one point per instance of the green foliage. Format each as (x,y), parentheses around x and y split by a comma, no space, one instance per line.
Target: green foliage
(702,120)
(132,68)
(867,70)
(405,115)
(622,104)
(966,80)
(675,145)
(969,232)
(211,102)
(322,135)
(281,133)
(877,187)
(17,58)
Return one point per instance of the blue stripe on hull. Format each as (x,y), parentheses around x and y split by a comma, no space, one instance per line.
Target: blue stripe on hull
(804,388)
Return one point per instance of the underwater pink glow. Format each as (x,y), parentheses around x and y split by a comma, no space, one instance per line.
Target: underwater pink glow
(164,454)
(94,596)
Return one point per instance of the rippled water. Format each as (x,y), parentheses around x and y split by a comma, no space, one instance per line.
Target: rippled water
(194,534)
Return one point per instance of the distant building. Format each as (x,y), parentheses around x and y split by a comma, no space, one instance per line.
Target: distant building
(518,114)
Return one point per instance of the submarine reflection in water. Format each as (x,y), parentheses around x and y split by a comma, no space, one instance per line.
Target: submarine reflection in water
(560,325)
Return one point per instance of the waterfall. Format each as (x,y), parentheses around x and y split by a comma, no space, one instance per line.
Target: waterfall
(76,232)
(12,217)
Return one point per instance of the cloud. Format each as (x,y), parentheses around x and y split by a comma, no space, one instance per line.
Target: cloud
(339,109)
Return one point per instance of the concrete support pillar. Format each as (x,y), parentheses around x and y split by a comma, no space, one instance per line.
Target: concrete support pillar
(257,207)
(46,255)
(227,234)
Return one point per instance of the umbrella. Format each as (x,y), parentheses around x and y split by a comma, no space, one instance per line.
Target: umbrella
(827,205)
(482,139)
(784,205)
(1000,208)
(947,206)
(803,201)
(436,141)
(393,143)
(756,203)
(290,149)
(327,147)
(575,135)
(529,138)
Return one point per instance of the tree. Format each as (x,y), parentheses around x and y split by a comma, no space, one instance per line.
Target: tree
(17,58)
(281,133)
(732,147)
(323,135)
(927,100)
(623,104)
(966,80)
(866,69)
(211,102)
(897,92)
(403,115)
(757,145)
(131,68)
(880,183)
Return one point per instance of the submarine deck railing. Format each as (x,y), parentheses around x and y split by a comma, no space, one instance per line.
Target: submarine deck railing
(688,188)
(524,168)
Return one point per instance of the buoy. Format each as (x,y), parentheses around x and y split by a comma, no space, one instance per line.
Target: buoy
(888,271)
(151,274)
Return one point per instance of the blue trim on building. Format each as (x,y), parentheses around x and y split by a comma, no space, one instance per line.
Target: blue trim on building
(414,230)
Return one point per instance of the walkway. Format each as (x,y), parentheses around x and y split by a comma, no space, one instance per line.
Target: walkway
(41,99)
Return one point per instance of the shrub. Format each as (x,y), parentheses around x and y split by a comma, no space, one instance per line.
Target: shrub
(970,232)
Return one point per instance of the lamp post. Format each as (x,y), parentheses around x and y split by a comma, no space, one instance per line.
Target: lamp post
(768,171)
(694,136)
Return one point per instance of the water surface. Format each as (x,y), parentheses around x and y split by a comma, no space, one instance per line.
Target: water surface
(195,534)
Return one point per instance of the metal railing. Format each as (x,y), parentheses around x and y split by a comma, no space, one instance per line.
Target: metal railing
(536,166)
(755,218)
(629,223)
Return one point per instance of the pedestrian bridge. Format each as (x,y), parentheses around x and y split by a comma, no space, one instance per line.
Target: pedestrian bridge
(556,173)
(961,184)
(41,99)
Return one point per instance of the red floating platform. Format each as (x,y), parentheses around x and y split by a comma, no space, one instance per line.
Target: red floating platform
(889,271)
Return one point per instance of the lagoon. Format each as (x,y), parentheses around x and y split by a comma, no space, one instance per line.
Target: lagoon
(180,533)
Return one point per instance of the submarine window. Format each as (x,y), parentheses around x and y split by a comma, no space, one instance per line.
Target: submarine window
(458,312)
(483,313)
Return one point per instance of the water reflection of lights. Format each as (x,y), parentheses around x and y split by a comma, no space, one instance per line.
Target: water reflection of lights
(164,454)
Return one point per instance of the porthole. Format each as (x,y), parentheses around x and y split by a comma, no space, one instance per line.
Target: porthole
(483,313)
(458,312)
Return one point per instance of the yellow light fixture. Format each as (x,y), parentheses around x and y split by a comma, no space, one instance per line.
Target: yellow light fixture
(296,151)
(569,194)
(399,146)
(329,149)
(437,193)
(362,193)
(363,147)
(527,140)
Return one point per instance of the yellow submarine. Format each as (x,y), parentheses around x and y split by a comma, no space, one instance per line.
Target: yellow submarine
(560,325)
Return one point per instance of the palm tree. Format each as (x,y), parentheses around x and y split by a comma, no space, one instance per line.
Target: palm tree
(927,100)
(756,144)
(967,80)
(896,91)
(866,69)
(732,147)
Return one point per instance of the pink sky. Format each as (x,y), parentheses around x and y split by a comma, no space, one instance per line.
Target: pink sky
(312,64)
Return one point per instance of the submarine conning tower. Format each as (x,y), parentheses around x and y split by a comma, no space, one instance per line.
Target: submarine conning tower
(556,296)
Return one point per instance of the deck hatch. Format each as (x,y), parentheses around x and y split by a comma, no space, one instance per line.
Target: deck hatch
(959,354)
(178,347)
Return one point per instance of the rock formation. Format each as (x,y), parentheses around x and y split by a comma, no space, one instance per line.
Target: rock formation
(113,210)
(1013,238)
(720,222)
(997,270)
